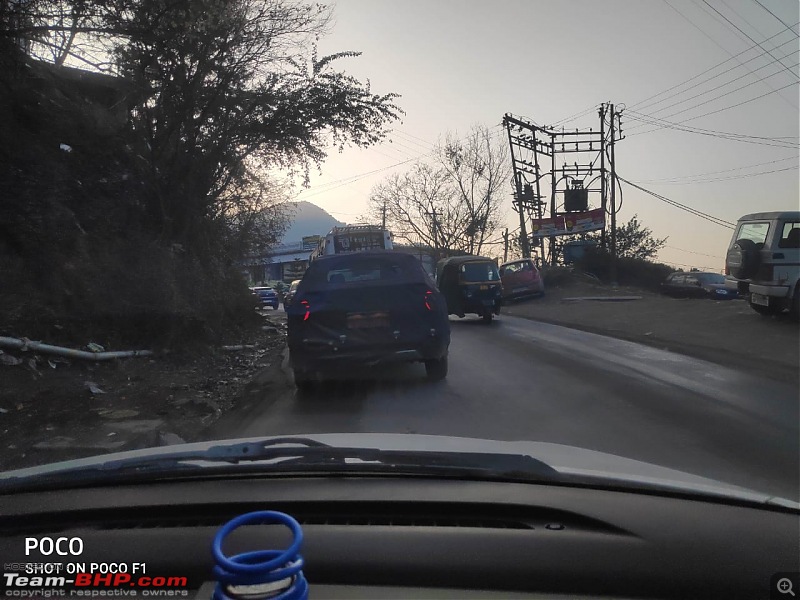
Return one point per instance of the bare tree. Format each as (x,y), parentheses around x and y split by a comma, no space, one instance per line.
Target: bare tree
(452,203)
(421,207)
(479,169)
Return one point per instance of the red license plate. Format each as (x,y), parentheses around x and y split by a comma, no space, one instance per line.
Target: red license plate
(367,320)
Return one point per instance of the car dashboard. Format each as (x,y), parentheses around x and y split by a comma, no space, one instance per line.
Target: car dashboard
(417,537)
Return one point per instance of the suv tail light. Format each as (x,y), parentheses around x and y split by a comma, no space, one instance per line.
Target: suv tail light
(429,303)
(307,306)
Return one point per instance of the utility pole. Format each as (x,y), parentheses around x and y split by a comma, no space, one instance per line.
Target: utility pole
(383,216)
(505,245)
(530,146)
(553,184)
(603,183)
(434,214)
(613,204)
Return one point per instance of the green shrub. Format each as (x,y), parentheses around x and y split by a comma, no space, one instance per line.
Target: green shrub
(630,271)
(123,293)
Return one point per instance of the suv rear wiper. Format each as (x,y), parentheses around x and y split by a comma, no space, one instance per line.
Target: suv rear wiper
(297,454)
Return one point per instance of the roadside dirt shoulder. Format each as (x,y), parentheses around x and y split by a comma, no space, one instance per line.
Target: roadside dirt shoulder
(55,409)
(729,332)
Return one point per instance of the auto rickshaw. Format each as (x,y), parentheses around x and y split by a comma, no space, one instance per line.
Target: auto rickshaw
(471,285)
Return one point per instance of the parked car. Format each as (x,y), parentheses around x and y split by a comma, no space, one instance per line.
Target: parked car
(763,262)
(366,308)
(695,284)
(289,295)
(267,295)
(521,278)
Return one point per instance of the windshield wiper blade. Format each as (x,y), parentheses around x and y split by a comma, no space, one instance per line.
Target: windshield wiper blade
(298,454)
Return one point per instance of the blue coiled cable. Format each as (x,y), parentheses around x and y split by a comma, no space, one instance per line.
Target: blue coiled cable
(261,566)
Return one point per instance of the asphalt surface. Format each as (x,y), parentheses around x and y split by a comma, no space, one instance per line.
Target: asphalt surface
(518,379)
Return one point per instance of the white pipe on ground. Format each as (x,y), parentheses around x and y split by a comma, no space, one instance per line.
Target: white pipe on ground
(17,344)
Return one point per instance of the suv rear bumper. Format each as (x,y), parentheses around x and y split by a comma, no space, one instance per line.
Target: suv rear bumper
(745,287)
(774,291)
(314,357)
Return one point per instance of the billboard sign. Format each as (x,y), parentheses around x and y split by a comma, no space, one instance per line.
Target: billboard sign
(548,227)
(576,222)
(580,222)
(311,241)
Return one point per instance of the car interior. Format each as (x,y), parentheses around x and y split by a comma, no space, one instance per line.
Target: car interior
(426,537)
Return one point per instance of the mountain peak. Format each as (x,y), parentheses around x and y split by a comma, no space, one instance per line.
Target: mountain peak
(309,219)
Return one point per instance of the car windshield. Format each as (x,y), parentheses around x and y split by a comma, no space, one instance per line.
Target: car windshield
(257,219)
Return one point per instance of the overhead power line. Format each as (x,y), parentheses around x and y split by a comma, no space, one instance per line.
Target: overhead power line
(779,142)
(689,209)
(642,106)
(773,14)
(732,177)
(693,252)
(792,73)
(685,177)
(414,139)
(715,98)
(578,115)
(712,112)
(733,57)
(713,89)
(332,185)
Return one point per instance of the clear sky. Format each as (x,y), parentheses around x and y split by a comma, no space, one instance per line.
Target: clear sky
(456,63)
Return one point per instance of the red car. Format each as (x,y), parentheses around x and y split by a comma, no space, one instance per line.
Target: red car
(521,278)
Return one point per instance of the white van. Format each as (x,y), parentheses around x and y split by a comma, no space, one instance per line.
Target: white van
(763,262)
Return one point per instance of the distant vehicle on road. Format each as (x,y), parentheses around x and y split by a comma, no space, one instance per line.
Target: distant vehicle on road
(267,296)
(695,284)
(763,262)
(521,278)
(353,238)
(366,308)
(471,285)
(289,296)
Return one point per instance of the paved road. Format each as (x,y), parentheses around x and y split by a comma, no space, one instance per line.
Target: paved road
(521,379)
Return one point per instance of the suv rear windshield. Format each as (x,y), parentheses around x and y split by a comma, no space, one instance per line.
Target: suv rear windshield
(757,232)
(358,269)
